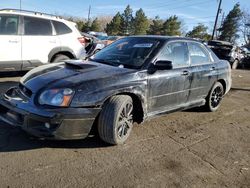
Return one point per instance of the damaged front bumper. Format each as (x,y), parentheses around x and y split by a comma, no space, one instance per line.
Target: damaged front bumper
(59,123)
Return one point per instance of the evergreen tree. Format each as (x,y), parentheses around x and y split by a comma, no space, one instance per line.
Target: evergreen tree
(82,26)
(95,26)
(199,31)
(86,27)
(156,27)
(172,27)
(114,27)
(230,26)
(126,22)
(140,23)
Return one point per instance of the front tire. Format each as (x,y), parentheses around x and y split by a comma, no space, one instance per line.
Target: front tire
(116,120)
(214,97)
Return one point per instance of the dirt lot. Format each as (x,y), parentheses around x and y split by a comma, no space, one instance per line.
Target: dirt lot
(183,149)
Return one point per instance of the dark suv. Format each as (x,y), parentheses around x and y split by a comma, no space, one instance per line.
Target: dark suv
(128,81)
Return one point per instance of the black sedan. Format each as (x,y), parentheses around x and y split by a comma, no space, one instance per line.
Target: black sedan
(131,80)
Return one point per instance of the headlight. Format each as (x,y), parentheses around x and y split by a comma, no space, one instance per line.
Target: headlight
(56,97)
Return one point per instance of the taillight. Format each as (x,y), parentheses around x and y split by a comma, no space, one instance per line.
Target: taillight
(82,40)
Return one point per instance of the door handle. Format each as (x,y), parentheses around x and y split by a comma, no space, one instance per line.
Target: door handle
(185,73)
(52,41)
(212,68)
(13,41)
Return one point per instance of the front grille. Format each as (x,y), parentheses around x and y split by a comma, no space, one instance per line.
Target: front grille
(27,92)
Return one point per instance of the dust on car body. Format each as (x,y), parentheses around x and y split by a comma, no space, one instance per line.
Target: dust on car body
(129,81)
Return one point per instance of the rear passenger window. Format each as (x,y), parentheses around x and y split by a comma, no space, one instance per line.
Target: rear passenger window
(198,55)
(177,52)
(37,26)
(9,25)
(61,28)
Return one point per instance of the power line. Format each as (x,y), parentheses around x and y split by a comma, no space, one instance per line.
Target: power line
(187,5)
(97,13)
(168,5)
(197,19)
(208,22)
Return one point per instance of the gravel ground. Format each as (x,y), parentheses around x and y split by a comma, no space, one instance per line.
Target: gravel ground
(183,149)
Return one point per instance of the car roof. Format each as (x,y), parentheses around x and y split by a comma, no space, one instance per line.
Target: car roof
(33,14)
(161,37)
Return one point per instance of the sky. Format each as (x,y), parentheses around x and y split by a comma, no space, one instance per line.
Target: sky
(191,12)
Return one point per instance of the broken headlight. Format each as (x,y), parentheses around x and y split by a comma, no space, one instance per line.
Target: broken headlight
(56,97)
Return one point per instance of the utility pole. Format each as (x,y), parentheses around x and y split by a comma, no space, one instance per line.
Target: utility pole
(89,15)
(216,19)
(20,4)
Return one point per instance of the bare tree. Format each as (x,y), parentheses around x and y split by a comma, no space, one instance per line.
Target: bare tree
(104,20)
(246,27)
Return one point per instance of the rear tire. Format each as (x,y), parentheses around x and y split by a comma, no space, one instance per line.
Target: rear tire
(116,120)
(60,58)
(214,97)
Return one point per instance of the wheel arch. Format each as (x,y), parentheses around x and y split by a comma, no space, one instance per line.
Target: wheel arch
(61,50)
(138,101)
(224,84)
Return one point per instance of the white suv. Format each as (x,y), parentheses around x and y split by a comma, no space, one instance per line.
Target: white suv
(29,39)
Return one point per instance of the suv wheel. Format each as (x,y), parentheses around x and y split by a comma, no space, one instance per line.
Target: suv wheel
(214,98)
(116,120)
(60,58)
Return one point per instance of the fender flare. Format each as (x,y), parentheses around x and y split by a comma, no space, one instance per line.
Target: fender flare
(57,50)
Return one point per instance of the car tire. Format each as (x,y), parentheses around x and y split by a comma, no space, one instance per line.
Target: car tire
(115,122)
(214,97)
(235,64)
(60,58)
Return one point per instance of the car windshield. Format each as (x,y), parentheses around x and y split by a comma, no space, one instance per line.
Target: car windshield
(127,52)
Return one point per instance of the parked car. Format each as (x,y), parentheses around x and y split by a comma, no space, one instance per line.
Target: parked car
(29,39)
(92,44)
(102,37)
(98,34)
(227,51)
(111,39)
(246,59)
(131,80)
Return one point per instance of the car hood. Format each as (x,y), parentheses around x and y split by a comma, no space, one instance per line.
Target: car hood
(69,74)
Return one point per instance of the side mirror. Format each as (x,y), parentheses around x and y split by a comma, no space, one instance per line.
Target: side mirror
(163,65)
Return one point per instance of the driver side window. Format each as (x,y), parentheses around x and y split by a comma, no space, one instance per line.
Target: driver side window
(177,52)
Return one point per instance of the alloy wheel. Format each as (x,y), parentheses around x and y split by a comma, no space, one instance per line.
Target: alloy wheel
(216,96)
(125,121)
